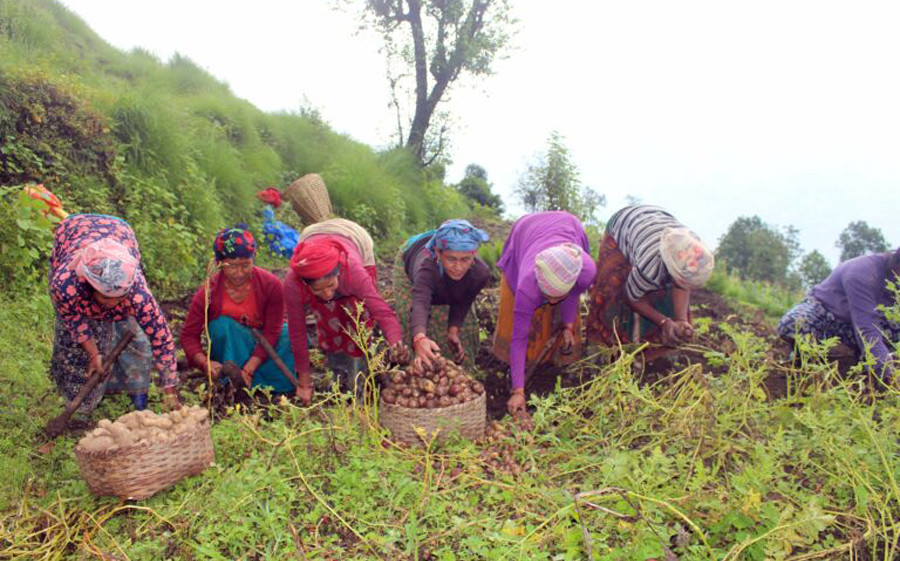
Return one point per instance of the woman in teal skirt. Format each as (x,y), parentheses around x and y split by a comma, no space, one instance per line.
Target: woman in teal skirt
(238,298)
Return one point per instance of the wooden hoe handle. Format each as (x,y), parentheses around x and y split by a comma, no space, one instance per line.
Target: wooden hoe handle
(275,358)
(58,424)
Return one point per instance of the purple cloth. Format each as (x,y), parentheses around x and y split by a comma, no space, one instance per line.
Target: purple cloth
(530,235)
(853,292)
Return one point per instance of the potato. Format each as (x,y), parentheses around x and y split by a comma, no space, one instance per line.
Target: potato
(389,396)
(98,444)
(117,429)
(125,440)
(477,387)
(422,401)
(158,422)
(428,386)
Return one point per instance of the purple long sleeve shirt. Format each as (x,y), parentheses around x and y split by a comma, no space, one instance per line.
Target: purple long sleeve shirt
(530,235)
(853,292)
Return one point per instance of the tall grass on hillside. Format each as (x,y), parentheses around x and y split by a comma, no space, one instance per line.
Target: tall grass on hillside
(773,300)
(167,146)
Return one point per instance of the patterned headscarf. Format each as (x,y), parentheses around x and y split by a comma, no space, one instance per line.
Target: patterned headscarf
(687,259)
(234,243)
(316,258)
(557,268)
(456,235)
(108,266)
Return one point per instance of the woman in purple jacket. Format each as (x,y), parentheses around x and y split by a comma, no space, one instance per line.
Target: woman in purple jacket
(547,265)
(847,305)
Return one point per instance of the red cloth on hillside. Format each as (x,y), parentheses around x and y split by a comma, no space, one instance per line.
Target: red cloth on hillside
(316,257)
(268,297)
(355,283)
(271,196)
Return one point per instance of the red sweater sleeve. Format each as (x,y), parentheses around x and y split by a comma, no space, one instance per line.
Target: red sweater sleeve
(295,303)
(361,285)
(193,326)
(272,294)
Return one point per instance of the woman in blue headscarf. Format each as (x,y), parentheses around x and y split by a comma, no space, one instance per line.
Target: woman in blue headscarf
(437,276)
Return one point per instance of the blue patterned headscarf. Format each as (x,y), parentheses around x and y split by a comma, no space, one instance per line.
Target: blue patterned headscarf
(234,243)
(456,235)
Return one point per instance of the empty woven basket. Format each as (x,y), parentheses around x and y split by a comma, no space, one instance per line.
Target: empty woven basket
(466,418)
(309,197)
(142,470)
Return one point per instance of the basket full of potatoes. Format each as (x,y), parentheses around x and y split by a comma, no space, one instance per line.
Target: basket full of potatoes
(142,453)
(441,400)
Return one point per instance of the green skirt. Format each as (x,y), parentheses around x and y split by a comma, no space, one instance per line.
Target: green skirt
(437,320)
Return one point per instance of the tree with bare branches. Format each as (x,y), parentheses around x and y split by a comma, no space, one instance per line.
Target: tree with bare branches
(438,41)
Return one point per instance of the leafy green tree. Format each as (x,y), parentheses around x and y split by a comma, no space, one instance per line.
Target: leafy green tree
(554,183)
(858,238)
(813,269)
(475,187)
(757,251)
(436,42)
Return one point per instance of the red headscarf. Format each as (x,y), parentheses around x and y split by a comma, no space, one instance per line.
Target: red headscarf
(314,259)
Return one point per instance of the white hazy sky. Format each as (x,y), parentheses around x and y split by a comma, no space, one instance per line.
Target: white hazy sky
(713,109)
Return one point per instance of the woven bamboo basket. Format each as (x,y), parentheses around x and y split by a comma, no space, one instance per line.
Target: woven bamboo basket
(142,470)
(467,418)
(309,197)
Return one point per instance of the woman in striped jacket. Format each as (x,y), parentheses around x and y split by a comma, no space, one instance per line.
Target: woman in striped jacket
(647,265)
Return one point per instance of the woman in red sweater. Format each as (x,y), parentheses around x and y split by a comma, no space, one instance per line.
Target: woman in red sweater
(241,296)
(328,278)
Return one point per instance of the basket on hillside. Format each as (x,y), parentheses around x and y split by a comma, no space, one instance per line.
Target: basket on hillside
(467,418)
(142,470)
(309,197)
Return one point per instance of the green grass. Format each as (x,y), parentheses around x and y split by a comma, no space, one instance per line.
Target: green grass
(704,465)
(773,300)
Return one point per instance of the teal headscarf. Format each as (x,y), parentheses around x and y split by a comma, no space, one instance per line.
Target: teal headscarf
(456,235)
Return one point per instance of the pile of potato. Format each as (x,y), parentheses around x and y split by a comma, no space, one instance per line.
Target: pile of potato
(140,427)
(499,453)
(444,385)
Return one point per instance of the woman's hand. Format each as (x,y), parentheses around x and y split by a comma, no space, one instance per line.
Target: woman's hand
(568,339)
(684,330)
(675,332)
(427,352)
(95,366)
(400,353)
(249,369)
(668,327)
(304,394)
(516,401)
(459,352)
(214,368)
